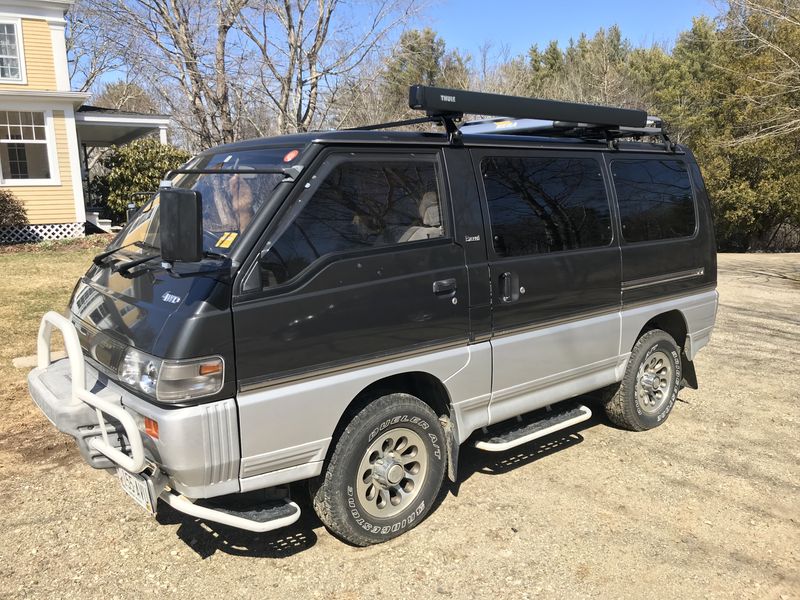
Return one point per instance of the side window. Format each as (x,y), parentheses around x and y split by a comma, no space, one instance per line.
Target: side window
(655,199)
(10,63)
(359,205)
(544,204)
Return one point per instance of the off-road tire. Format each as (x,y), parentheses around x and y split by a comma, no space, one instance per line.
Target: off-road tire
(623,406)
(335,494)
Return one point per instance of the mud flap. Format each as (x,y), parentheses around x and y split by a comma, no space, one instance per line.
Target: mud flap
(689,374)
(451,434)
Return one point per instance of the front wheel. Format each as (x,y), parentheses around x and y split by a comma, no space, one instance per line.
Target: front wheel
(650,386)
(385,471)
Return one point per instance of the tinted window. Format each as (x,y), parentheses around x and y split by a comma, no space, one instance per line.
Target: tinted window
(543,204)
(655,199)
(359,205)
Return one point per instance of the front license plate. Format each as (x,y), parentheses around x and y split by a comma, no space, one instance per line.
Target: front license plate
(139,489)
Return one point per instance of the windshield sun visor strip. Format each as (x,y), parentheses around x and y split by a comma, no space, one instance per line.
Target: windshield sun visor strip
(291,173)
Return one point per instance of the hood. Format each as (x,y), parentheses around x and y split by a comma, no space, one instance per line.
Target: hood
(112,311)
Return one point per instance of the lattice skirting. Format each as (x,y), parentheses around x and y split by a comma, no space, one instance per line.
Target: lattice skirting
(17,234)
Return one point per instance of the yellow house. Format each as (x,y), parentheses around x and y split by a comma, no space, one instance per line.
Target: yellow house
(44,125)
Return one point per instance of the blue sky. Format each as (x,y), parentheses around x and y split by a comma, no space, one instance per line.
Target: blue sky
(518,24)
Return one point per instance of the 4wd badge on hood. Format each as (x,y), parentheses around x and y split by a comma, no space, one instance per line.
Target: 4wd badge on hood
(170,297)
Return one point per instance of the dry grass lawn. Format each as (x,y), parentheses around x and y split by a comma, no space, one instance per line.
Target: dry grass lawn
(35,278)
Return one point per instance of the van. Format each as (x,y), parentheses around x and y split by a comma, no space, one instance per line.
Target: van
(346,308)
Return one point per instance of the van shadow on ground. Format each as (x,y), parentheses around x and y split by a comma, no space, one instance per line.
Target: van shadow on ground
(206,538)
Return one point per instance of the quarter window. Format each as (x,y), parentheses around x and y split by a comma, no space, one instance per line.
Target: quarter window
(10,68)
(23,146)
(545,204)
(655,199)
(359,205)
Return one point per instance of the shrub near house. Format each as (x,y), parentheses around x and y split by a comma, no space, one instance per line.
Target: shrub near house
(12,212)
(132,169)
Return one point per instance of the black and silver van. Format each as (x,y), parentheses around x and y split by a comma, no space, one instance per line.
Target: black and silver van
(349,307)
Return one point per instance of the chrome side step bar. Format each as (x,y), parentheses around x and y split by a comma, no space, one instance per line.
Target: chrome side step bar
(522,433)
(268,518)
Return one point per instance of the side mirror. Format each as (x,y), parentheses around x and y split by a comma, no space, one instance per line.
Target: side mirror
(181,216)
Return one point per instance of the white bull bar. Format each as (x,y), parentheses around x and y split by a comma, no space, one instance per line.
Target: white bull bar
(135,462)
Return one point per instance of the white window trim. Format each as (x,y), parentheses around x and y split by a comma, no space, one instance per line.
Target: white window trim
(52,157)
(23,72)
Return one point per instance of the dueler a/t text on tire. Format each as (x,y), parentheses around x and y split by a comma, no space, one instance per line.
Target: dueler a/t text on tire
(385,471)
(650,385)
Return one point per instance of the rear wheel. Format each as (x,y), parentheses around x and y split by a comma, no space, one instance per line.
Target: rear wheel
(648,390)
(385,471)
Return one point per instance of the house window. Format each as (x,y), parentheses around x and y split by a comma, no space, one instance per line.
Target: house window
(10,63)
(23,146)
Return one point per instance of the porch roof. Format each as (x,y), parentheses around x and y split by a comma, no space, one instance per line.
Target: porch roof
(106,127)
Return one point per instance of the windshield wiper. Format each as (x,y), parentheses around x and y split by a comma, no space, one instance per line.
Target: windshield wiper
(100,258)
(124,267)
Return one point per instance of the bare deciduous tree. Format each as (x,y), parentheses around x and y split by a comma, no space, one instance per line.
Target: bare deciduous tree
(91,54)
(770,32)
(182,48)
(126,96)
(230,68)
(306,47)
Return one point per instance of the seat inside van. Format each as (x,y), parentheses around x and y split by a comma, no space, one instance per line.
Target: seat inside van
(431,219)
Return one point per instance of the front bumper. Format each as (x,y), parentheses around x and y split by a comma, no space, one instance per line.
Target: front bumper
(197,447)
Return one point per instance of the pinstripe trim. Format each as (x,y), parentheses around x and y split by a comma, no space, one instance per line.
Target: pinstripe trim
(312,373)
(634,284)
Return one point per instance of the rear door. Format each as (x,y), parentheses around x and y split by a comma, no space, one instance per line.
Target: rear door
(361,265)
(555,273)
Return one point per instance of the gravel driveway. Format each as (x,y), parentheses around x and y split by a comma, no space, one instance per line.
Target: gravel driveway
(707,506)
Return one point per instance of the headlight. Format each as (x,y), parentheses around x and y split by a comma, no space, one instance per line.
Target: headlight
(140,371)
(172,380)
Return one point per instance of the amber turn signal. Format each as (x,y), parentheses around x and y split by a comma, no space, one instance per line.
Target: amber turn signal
(210,368)
(151,427)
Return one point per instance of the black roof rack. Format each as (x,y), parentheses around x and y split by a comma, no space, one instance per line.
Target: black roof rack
(653,129)
(525,116)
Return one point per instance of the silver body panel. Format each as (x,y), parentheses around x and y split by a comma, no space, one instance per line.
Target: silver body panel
(288,426)
(699,311)
(535,368)
(209,464)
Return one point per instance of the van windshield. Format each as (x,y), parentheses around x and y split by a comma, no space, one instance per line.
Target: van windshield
(230,200)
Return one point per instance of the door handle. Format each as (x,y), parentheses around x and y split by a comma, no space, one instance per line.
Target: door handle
(444,287)
(509,287)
